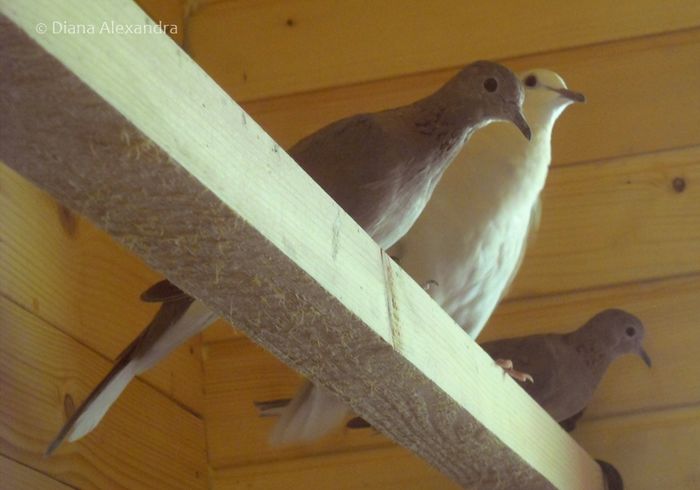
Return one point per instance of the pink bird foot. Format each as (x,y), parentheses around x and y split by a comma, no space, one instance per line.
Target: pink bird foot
(507,366)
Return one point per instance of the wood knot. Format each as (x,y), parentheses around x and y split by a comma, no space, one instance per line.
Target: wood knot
(679,184)
(290,22)
(68,405)
(68,221)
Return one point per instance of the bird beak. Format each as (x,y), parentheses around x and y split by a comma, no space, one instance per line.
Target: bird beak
(519,120)
(569,94)
(645,357)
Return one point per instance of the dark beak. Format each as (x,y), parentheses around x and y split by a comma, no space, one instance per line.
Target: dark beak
(570,94)
(645,357)
(519,120)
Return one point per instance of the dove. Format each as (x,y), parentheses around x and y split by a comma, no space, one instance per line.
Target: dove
(381,168)
(565,369)
(467,245)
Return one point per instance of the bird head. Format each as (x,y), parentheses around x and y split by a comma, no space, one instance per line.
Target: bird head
(546,97)
(497,91)
(622,332)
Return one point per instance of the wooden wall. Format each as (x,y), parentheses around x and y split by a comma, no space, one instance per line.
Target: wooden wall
(620,228)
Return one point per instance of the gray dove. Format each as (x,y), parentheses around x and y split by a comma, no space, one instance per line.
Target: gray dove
(381,168)
(563,370)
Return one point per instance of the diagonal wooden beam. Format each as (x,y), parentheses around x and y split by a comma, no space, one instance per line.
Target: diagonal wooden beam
(127,130)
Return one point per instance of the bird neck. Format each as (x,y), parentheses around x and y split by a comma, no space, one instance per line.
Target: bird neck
(594,351)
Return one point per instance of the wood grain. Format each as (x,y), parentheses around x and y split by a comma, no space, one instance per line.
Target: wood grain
(614,222)
(17,476)
(376,469)
(60,267)
(651,450)
(310,286)
(42,371)
(258,49)
(168,13)
(641,98)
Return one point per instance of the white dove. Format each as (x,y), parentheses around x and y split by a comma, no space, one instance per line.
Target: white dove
(467,246)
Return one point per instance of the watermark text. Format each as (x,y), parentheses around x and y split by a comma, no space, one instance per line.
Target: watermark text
(106,27)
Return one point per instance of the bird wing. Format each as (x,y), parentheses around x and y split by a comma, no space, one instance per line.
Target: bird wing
(163,292)
(533,226)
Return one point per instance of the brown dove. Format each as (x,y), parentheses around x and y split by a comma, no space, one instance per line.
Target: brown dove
(381,168)
(563,370)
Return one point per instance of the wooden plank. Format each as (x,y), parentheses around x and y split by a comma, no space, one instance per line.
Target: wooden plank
(43,371)
(224,210)
(237,371)
(377,469)
(261,49)
(642,97)
(16,476)
(603,223)
(60,267)
(651,450)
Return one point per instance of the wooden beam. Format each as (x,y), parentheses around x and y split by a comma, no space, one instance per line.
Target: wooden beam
(44,374)
(16,475)
(259,49)
(655,87)
(385,468)
(651,450)
(128,131)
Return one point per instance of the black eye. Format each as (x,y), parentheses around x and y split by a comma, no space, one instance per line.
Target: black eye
(630,331)
(530,81)
(490,84)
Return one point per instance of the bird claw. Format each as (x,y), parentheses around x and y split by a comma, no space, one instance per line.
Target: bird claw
(430,285)
(507,366)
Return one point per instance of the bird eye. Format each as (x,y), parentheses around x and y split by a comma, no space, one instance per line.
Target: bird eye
(490,84)
(530,81)
(630,331)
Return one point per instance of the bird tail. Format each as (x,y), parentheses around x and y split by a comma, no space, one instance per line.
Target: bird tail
(89,414)
(311,414)
(174,323)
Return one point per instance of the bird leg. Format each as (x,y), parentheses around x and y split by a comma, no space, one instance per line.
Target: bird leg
(507,366)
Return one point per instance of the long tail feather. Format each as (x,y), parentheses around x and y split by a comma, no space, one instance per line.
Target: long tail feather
(174,323)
